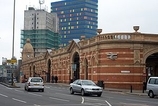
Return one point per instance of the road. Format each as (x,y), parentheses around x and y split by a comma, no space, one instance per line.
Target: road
(58,95)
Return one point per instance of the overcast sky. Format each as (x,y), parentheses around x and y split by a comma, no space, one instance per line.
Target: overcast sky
(114,16)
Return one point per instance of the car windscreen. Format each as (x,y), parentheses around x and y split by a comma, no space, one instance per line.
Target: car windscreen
(36,80)
(88,83)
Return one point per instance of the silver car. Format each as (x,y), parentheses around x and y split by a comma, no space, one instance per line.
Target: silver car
(85,87)
(152,87)
(34,83)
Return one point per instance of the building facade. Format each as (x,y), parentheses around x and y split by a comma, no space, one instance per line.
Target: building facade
(42,28)
(120,60)
(76,18)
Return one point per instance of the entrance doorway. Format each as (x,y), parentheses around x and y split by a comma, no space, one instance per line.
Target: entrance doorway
(86,69)
(49,69)
(152,65)
(76,65)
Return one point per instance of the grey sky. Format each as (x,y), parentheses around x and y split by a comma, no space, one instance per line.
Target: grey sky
(114,16)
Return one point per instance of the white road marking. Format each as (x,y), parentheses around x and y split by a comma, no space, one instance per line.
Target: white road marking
(19,100)
(82,100)
(34,94)
(47,86)
(142,101)
(36,105)
(108,103)
(18,90)
(63,94)
(3,95)
(59,99)
(8,88)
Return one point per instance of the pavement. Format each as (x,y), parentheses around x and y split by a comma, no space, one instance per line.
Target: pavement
(127,91)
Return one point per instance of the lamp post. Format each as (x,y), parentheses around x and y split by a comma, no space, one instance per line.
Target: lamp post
(13,29)
(13,58)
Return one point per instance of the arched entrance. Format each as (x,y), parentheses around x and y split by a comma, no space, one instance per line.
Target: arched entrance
(34,73)
(152,65)
(30,72)
(49,69)
(86,69)
(76,66)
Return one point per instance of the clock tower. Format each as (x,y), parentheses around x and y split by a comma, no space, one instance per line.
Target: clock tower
(27,51)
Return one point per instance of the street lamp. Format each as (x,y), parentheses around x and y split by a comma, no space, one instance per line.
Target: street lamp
(13,58)
(13,29)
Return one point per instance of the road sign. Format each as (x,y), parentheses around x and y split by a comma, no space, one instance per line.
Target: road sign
(12,61)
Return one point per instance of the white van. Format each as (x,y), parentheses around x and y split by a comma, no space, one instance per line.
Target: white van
(152,87)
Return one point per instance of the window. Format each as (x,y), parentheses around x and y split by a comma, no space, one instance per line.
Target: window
(64,44)
(72,27)
(85,8)
(156,81)
(64,36)
(152,81)
(85,17)
(62,12)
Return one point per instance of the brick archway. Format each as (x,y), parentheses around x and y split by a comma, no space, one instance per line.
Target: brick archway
(75,66)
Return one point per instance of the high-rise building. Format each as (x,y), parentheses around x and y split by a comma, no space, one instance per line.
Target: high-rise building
(42,28)
(76,18)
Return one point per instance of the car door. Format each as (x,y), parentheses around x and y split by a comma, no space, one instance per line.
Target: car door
(74,86)
(156,87)
(78,86)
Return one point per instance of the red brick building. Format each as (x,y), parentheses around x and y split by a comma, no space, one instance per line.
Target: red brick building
(121,60)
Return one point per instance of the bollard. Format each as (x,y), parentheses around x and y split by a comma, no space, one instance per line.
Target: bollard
(131,88)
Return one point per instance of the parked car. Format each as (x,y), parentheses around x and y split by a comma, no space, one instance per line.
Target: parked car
(152,87)
(34,83)
(85,87)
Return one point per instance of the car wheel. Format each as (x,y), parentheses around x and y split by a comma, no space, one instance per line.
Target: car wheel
(42,90)
(151,94)
(82,92)
(28,89)
(71,91)
(99,95)
(25,88)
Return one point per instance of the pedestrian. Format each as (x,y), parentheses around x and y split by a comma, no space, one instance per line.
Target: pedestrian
(56,79)
(53,79)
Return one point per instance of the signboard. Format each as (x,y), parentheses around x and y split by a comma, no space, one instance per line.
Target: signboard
(12,61)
